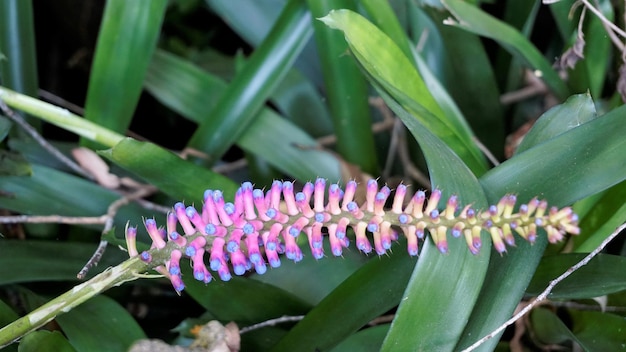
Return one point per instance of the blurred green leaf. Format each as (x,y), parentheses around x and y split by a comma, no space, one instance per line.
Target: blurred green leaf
(127,38)
(323,276)
(244,301)
(608,212)
(253,21)
(100,324)
(368,340)
(388,67)
(5,126)
(372,290)
(183,87)
(346,90)
(299,101)
(592,331)
(18,66)
(549,329)
(599,331)
(603,275)
(45,341)
(248,91)
(13,164)
(472,19)
(176,177)
(33,261)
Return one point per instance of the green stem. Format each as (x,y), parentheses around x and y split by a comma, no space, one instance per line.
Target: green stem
(129,270)
(60,117)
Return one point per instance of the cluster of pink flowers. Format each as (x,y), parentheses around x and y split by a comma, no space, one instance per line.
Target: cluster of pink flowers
(260,226)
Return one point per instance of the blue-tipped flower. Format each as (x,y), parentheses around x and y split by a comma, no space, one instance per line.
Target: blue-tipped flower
(259,227)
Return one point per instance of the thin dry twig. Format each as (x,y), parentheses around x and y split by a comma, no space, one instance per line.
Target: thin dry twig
(108,224)
(271,322)
(547,291)
(15,117)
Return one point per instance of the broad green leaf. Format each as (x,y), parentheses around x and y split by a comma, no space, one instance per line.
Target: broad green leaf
(368,340)
(176,177)
(46,192)
(471,82)
(298,100)
(5,126)
(577,110)
(183,87)
(394,72)
(603,275)
(548,328)
(346,90)
(451,281)
(45,341)
(100,324)
(127,38)
(592,331)
(472,19)
(253,21)
(323,276)
(575,164)
(7,316)
(372,290)
(571,166)
(18,59)
(246,94)
(608,212)
(242,300)
(33,261)
(13,164)
(599,331)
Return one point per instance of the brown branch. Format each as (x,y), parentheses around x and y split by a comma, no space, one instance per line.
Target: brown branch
(108,224)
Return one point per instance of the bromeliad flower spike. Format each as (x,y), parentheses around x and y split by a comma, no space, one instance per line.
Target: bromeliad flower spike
(260,226)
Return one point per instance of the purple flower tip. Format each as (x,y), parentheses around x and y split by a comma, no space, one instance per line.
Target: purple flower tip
(145,256)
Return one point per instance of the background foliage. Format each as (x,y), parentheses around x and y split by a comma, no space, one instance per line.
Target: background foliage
(261,90)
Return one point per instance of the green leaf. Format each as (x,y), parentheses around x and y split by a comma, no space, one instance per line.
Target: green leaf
(471,82)
(127,38)
(368,340)
(240,299)
(18,67)
(575,164)
(323,276)
(247,93)
(176,177)
(450,281)
(474,20)
(548,328)
(603,275)
(13,164)
(395,74)
(608,212)
(184,87)
(372,290)
(45,341)
(598,331)
(35,261)
(110,326)
(45,192)
(346,90)
(579,109)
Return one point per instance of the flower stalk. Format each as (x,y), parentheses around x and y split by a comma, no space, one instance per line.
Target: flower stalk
(260,226)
